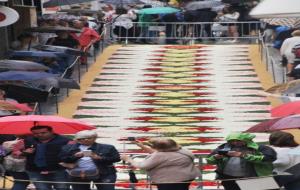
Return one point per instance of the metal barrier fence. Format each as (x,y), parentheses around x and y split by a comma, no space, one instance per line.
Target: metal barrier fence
(187,32)
(199,161)
(272,59)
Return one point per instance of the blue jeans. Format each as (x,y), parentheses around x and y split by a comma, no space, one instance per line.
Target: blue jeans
(103,179)
(19,185)
(56,176)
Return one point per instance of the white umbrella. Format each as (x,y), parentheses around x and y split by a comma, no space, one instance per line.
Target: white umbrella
(276,9)
(290,22)
(195,5)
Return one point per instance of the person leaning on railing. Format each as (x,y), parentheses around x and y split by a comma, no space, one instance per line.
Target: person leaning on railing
(86,38)
(169,166)
(240,157)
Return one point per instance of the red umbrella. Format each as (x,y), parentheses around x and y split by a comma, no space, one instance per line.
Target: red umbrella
(22,124)
(290,108)
(282,123)
(263,126)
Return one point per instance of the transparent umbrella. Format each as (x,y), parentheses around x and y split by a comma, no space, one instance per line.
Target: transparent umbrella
(196,5)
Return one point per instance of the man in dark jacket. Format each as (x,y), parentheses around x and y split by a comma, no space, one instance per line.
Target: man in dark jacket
(42,164)
(93,162)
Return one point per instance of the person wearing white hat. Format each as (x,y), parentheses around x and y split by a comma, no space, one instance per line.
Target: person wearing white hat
(87,161)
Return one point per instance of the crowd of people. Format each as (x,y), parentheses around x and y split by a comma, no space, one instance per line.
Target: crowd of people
(50,160)
(130,24)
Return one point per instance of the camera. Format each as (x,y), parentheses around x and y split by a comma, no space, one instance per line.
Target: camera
(131,138)
(223,151)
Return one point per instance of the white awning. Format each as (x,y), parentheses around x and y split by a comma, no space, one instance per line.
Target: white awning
(276,9)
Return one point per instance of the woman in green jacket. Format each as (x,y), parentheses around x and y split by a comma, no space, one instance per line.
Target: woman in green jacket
(240,157)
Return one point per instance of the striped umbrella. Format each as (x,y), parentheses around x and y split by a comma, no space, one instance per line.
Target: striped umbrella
(290,22)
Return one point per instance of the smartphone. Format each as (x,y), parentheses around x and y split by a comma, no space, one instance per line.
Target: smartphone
(87,153)
(223,151)
(131,138)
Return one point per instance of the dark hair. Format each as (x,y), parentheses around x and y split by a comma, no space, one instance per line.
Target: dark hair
(282,139)
(121,10)
(24,35)
(85,24)
(37,127)
(147,6)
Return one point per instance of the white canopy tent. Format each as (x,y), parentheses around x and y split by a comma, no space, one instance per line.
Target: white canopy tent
(276,9)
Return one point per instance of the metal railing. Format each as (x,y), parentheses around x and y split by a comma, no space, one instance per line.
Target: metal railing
(186,32)
(199,162)
(272,60)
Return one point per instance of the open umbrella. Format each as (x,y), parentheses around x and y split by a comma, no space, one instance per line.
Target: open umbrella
(24,94)
(121,2)
(35,54)
(195,5)
(282,123)
(24,75)
(263,126)
(52,29)
(57,83)
(290,108)
(61,49)
(22,124)
(285,88)
(289,22)
(158,10)
(276,9)
(80,11)
(57,3)
(20,65)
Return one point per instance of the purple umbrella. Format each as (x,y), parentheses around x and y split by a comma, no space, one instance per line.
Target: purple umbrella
(289,122)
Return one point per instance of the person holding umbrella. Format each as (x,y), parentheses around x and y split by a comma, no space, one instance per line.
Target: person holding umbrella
(87,161)
(42,164)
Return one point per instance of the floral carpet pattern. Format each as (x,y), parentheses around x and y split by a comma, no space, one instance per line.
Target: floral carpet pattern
(194,94)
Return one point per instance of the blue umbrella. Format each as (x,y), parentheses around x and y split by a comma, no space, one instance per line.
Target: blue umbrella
(159,10)
(35,54)
(24,76)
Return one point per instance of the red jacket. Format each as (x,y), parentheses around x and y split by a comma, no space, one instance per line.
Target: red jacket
(87,36)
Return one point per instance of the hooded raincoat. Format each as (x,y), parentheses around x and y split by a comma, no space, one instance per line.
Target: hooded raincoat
(261,156)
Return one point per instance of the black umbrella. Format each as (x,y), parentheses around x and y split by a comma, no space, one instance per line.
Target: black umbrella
(52,29)
(57,3)
(121,2)
(236,1)
(20,65)
(61,49)
(55,82)
(80,11)
(24,94)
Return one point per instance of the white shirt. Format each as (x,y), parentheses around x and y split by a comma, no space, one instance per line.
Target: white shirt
(285,158)
(287,46)
(85,163)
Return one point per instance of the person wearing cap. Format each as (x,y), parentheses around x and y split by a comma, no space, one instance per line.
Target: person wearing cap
(240,157)
(87,161)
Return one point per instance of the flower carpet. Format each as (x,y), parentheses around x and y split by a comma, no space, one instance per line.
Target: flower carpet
(194,94)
